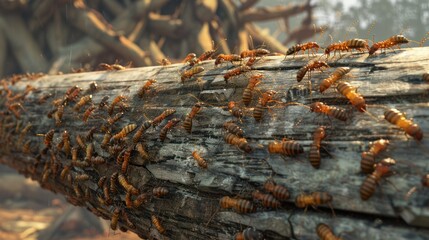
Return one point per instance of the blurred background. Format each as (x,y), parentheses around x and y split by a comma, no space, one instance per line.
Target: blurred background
(62,36)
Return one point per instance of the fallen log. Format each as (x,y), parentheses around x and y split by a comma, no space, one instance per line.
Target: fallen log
(191,209)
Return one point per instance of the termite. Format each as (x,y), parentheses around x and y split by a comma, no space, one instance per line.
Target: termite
(115,218)
(124,132)
(314,155)
(267,200)
(187,124)
(335,76)
(187,74)
(254,53)
(240,205)
(228,58)
(157,224)
(311,66)
(170,124)
(201,161)
(368,186)
(143,127)
(160,191)
(233,128)
(143,90)
(397,118)
(239,142)
(235,110)
(156,121)
(350,93)
(278,191)
(235,72)
(313,46)
(261,106)
(325,232)
(285,147)
(388,43)
(249,234)
(87,113)
(83,101)
(335,112)
(356,43)
(314,199)
(127,186)
(254,81)
(367,162)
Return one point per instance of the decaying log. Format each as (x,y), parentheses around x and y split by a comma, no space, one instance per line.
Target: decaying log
(191,208)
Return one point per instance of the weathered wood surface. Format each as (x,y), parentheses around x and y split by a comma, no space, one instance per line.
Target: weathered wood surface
(191,210)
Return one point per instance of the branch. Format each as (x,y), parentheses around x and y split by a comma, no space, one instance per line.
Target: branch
(269,13)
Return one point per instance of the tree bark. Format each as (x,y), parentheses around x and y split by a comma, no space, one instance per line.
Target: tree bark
(191,209)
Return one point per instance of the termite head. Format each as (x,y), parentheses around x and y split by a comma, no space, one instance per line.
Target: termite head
(415,131)
(231,105)
(316,107)
(373,49)
(313,45)
(382,169)
(388,162)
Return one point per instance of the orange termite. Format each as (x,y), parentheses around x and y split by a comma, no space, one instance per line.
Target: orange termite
(124,132)
(142,151)
(235,110)
(241,143)
(165,62)
(126,160)
(285,147)
(187,124)
(368,158)
(397,118)
(90,134)
(314,199)
(89,151)
(313,46)
(267,200)
(311,66)
(235,72)
(115,118)
(157,224)
(72,93)
(58,115)
(142,198)
(233,128)
(335,76)
(278,191)
(189,57)
(145,125)
(116,101)
(98,160)
(314,155)
(115,218)
(335,112)
(350,93)
(160,191)
(127,186)
(227,58)
(143,90)
(187,74)
(261,106)
(83,100)
(111,67)
(113,181)
(368,186)
(249,234)
(388,43)
(325,232)
(87,113)
(254,81)
(156,121)
(48,137)
(356,43)
(170,124)
(240,205)
(201,161)
(206,55)
(254,53)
